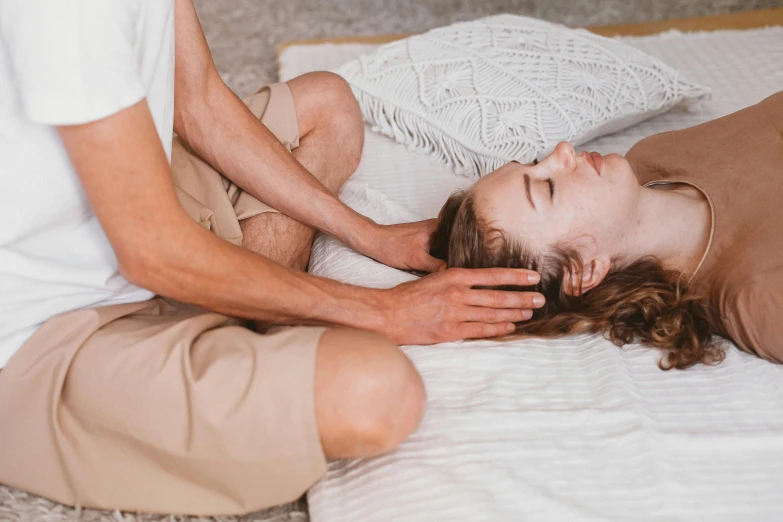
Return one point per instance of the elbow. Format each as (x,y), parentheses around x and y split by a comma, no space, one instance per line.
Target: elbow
(143,269)
(187,120)
(193,111)
(160,263)
(136,271)
(160,260)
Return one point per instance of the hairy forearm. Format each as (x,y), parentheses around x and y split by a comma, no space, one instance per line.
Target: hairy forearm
(189,264)
(221,129)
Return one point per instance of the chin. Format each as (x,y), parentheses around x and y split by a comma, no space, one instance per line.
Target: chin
(620,165)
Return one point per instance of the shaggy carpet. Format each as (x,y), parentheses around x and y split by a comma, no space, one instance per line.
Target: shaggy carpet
(243,35)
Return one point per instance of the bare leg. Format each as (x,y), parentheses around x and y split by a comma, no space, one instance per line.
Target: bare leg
(330,144)
(368,395)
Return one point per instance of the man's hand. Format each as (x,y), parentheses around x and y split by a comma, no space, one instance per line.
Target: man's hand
(446,307)
(405,246)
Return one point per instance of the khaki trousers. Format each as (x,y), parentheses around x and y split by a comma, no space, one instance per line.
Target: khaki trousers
(158,407)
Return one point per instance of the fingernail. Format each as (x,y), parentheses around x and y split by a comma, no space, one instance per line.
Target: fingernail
(527,314)
(511,327)
(539,300)
(533,277)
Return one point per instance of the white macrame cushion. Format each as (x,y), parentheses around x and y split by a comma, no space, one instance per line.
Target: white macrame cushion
(480,94)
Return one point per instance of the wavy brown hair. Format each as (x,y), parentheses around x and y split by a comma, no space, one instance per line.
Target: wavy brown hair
(642,301)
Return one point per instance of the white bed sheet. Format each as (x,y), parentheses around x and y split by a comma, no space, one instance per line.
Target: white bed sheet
(572,429)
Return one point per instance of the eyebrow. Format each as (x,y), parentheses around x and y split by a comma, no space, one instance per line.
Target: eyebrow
(527,191)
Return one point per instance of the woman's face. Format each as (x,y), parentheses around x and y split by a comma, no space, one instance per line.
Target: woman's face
(584,200)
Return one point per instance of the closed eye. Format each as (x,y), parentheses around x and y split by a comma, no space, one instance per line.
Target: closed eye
(551,188)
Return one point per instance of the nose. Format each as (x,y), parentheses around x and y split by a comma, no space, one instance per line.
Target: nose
(562,159)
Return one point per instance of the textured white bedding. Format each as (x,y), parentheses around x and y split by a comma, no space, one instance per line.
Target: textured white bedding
(574,429)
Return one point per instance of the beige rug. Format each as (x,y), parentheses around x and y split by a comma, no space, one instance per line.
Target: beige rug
(18,506)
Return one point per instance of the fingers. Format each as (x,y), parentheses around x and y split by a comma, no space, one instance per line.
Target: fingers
(427,263)
(496,276)
(495,315)
(504,299)
(485,330)
(433,264)
(429,225)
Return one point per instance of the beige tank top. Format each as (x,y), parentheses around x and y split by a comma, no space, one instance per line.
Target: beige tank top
(737,161)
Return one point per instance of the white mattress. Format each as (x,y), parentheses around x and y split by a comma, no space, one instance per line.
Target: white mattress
(573,429)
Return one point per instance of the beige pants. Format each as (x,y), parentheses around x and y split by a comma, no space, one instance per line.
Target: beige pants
(213,200)
(152,407)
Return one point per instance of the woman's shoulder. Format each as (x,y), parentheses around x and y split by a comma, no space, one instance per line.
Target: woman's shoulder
(752,315)
(659,157)
(713,148)
(772,107)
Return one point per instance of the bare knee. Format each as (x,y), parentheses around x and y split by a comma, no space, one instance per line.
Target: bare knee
(325,103)
(369,396)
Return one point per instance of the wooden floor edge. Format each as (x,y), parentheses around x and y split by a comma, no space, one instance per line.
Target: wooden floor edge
(742,20)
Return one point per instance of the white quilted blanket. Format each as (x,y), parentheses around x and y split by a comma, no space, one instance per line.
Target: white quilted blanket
(574,429)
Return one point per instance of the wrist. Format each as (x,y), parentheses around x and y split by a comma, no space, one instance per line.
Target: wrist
(369,310)
(339,304)
(376,316)
(361,234)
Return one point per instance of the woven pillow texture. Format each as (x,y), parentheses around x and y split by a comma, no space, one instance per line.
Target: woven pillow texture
(480,94)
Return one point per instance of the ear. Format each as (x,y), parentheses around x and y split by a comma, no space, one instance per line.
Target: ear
(592,273)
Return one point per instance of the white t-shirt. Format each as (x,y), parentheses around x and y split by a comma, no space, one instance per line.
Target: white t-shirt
(68,62)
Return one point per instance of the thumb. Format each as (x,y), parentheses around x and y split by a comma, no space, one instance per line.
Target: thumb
(434,264)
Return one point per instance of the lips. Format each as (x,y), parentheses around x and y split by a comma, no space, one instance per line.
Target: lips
(597,161)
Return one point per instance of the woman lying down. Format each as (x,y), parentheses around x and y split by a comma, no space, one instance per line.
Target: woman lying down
(679,240)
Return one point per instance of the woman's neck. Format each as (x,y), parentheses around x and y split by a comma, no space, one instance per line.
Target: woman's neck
(674,225)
